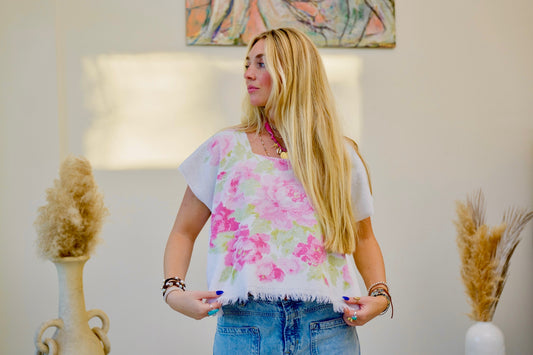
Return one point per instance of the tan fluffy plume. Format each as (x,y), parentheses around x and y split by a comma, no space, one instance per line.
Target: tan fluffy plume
(486,253)
(68,225)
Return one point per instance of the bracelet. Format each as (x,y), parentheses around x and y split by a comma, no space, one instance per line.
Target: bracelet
(169,290)
(383,292)
(173,282)
(378,283)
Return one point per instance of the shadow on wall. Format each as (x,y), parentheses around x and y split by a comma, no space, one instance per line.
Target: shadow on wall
(150,111)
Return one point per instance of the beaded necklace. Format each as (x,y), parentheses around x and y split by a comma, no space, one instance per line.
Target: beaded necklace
(282,152)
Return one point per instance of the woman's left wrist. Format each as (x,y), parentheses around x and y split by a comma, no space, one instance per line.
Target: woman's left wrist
(379,284)
(379,291)
(386,303)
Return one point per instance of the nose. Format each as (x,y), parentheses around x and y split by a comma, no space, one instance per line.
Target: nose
(249,73)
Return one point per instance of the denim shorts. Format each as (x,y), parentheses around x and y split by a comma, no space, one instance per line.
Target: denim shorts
(283,327)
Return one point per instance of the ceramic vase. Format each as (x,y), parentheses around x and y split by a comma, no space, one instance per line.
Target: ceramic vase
(484,338)
(73,335)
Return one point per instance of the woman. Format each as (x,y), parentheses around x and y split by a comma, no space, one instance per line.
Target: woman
(277,189)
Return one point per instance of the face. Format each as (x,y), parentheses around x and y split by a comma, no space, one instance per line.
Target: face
(258,80)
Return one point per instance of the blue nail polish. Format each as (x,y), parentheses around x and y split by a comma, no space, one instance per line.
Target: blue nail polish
(219,292)
(346,298)
(212,312)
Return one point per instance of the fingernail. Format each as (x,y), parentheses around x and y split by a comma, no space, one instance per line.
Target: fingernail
(219,292)
(212,312)
(346,298)
(357,298)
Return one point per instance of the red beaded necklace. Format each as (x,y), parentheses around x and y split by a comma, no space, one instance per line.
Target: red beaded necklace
(282,152)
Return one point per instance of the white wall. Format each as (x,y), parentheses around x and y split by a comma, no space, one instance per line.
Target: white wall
(447,111)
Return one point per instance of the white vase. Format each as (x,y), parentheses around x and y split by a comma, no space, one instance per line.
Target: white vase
(73,335)
(484,338)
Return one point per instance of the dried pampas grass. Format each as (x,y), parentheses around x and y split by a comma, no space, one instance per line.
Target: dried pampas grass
(486,253)
(69,224)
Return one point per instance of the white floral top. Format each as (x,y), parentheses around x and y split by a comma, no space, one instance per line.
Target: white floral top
(265,239)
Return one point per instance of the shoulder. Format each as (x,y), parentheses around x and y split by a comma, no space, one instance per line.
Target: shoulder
(223,136)
(223,142)
(359,168)
(353,152)
(226,134)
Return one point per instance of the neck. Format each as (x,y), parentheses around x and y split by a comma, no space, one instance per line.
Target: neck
(273,136)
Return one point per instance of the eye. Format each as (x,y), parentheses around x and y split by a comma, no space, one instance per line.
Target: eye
(246,65)
(261,64)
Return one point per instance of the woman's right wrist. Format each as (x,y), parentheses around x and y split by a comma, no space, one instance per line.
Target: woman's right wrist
(172,284)
(170,290)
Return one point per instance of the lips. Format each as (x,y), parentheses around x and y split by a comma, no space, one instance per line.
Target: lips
(252,89)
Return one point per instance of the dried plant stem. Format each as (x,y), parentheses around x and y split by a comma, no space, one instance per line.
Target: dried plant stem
(486,253)
(515,220)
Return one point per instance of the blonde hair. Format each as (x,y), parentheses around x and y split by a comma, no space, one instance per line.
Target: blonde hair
(302,108)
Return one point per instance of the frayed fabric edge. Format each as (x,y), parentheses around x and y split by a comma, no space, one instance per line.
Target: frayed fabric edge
(338,305)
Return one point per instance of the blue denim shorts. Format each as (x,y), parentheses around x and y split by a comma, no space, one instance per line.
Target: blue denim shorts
(283,327)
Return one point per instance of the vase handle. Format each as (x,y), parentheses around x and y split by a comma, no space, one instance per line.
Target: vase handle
(101,332)
(49,345)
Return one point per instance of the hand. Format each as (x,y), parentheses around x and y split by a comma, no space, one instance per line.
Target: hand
(193,303)
(369,308)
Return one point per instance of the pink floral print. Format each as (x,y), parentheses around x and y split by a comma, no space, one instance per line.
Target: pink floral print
(281,164)
(221,222)
(284,203)
(265,237)
(267,271)
(346,274)
(290,265)
(234,195)
(312,252)
(244,249)
(219,148)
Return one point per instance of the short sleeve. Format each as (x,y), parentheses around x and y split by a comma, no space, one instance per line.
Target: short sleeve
(201,168)
(362,201)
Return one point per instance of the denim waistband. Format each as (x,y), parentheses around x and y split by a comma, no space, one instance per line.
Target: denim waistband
(283,327)
(277,308)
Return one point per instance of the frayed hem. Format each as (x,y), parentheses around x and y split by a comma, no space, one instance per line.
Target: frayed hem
(338,305)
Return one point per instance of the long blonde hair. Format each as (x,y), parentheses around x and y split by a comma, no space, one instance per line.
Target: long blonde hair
(302,108)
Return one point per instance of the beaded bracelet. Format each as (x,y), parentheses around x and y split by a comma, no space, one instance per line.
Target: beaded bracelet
(376,284)
(383,292)
(171,282)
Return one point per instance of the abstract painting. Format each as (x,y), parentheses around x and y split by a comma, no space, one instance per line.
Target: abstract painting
(329,23)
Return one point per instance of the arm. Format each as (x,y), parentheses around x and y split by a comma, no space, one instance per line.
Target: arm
(191,218)
(367,256)
(369,261)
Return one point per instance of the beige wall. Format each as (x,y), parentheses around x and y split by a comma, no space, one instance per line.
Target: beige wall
(446,112)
